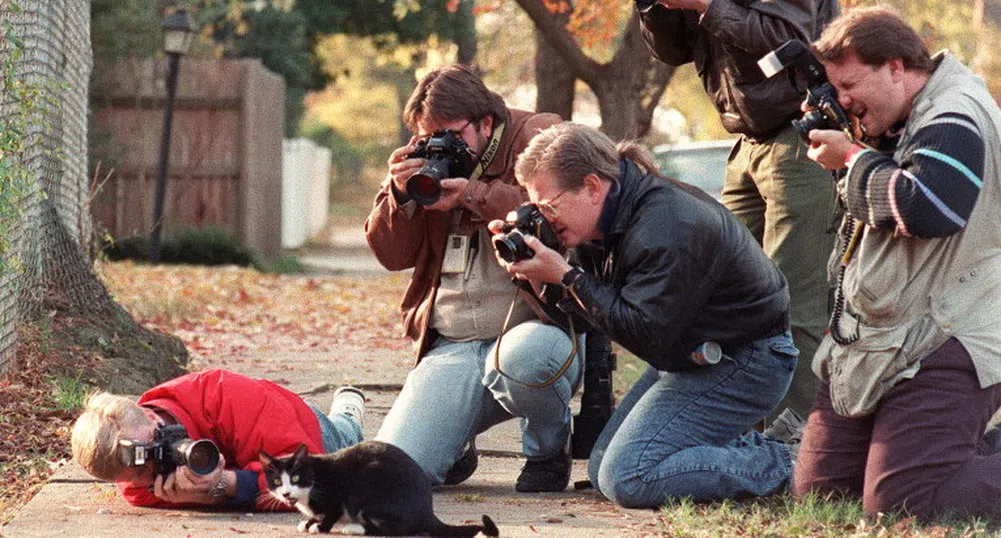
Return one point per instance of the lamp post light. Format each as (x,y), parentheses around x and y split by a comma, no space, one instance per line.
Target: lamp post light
(178,32)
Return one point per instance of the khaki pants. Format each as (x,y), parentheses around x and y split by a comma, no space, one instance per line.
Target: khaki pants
(787,201)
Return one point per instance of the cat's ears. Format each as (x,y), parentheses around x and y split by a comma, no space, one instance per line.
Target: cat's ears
(268,459)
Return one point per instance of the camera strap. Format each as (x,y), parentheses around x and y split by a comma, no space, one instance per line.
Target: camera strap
(489,153)
(852,233)
(563,369)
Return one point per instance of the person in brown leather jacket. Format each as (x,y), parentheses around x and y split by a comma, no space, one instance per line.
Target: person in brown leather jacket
(458,299)
(784,198)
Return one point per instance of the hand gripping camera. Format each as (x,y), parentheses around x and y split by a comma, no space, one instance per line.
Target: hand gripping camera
(526,219)
(826,113)
(447,156)
(171,448)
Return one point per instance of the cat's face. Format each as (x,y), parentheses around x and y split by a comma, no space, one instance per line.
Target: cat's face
(289,479)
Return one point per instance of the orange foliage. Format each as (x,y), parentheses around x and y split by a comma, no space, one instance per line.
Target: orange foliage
(591,22)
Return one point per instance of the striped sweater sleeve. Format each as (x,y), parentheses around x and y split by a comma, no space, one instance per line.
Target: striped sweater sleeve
(931,191)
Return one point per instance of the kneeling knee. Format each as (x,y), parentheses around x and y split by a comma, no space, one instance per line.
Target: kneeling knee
(886,500)
(626,491)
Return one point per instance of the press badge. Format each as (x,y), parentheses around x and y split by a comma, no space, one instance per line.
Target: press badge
(456,254)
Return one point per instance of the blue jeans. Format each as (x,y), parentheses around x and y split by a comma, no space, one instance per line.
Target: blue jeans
(337,431)
(682,434)
(455,393)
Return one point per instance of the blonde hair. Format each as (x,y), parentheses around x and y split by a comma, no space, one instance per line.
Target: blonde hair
(106,419)
(570,151)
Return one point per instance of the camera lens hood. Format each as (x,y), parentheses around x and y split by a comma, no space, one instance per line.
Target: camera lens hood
(424,188)
(512,248)
(201,456)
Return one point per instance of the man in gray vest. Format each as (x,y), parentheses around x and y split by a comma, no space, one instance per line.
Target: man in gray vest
(910,371)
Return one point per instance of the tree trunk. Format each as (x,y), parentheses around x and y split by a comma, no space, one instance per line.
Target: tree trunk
(554,80)
(465,35)
(628,87)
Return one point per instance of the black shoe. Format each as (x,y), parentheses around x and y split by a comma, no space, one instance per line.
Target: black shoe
(787,427)
(464,467)
(551,474)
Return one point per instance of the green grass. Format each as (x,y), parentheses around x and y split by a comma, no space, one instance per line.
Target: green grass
(814,517)
(70,393)
(286,265)
(628,368)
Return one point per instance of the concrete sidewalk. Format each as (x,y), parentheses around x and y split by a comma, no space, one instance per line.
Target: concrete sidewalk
(72,504)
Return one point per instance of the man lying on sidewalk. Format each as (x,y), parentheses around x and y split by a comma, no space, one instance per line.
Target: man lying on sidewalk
(240,415)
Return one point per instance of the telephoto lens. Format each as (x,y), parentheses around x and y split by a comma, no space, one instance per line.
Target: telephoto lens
(424,187)
(201,456)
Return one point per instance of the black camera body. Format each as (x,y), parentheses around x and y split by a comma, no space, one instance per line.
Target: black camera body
(525,219)
(171,448)
(447,156)
(821,96)
(597,401)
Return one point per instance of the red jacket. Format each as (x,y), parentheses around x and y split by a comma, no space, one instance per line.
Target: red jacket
(241,415)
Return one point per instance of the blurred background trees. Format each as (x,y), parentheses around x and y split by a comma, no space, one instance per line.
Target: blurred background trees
(350,65)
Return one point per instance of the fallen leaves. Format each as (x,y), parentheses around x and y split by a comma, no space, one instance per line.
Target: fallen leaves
(34,433)
(231,311)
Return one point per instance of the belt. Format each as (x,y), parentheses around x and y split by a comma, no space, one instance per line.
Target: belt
(778,326)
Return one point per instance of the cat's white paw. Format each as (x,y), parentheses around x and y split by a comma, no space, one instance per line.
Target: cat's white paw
(306,525)
(353,528)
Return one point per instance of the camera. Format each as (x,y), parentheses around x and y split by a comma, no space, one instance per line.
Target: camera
(447,155)
(821,96)
(526,219)
(171,448)
(596,401)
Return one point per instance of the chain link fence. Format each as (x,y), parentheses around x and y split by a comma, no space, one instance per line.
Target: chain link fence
(45,46)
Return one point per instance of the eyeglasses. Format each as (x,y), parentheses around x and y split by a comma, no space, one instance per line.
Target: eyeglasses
(548,207)
(456,131)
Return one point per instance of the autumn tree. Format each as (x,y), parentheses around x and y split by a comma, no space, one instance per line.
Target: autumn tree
(628,84)
(402,32)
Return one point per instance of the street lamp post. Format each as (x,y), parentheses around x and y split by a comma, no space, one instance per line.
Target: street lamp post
(177,36)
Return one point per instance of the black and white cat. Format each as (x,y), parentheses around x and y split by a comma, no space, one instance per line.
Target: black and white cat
(374,485)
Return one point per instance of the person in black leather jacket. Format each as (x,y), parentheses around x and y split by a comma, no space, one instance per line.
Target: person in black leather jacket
(784,198)
(676,279)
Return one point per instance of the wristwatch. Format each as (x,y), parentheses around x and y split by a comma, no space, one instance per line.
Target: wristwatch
(570,277)
(218,491)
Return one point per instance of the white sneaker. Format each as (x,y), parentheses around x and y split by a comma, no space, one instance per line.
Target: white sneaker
(349,401)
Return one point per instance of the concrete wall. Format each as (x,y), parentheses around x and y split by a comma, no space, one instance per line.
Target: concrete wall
(305,191)
(225,155)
